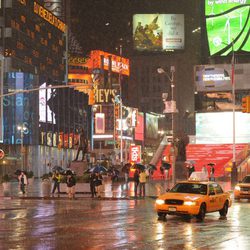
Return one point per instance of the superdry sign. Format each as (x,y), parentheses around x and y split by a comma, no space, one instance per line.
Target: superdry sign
(135,154)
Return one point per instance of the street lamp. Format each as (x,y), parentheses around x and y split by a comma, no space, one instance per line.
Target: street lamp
(172,111)
(22,129)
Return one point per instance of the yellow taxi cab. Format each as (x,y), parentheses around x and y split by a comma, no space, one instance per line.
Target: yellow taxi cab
(242,189)
(193,198)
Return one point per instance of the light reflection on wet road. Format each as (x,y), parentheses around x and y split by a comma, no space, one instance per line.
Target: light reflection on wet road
(115,224)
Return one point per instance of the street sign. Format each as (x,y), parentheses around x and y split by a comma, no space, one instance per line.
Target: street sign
(170,107)
(1,154)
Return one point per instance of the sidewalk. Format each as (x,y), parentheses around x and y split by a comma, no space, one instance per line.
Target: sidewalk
(117,190)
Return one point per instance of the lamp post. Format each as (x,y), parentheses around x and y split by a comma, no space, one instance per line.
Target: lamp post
(22,129)
(234,168)
(120,85)
(173,111)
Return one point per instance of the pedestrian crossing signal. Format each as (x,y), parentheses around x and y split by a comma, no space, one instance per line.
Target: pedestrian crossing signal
(246,104)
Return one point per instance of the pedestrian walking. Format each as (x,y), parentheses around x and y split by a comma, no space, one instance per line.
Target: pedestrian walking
(191,169)
(56,177)
(205,172)
(98,184)
(92,182)
(142,180)
(71,182)
(23,181)
(212,170)
(136,181)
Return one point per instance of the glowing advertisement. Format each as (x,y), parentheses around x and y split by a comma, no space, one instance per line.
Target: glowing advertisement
(151,126)
(158,32)
(218,77)
(135,154)
(217,127)
(45,113)
(228,26)
(139,129)
(99,123)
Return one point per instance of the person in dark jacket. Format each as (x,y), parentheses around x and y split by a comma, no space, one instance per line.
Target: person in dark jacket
(136,181)
(92,182)
(71,182)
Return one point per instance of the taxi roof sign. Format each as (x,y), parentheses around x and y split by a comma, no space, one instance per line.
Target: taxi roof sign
(198,176)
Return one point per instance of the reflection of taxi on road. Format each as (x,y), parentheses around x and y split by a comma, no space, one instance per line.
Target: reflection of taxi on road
(193,198)
(242,189)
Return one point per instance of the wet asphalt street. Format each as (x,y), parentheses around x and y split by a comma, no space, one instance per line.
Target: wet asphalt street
(88,223)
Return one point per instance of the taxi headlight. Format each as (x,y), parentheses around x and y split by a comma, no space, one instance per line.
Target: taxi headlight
(159,202)
(237,188)
(190,203)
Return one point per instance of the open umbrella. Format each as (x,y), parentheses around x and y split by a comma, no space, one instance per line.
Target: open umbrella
(18,172)
(211,164)
(58,168)
(190,162)
(126,167)
(152,167)
(166,165)
(98,169)
(68,172)
(140,166)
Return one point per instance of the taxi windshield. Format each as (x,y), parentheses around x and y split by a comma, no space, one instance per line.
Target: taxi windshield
(246,179)
(190,188)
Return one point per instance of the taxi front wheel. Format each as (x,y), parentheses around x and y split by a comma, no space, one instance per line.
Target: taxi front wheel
(223,211)
(202,212)
(161,215)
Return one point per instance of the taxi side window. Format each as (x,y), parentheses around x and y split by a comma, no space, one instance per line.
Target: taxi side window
(211,190)
(218,189)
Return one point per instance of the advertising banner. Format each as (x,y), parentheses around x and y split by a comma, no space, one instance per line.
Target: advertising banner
(227,24)
(151,126)
(139,129)
(158,32)
(218,77)
(135,154)
(99,123)
(214,128)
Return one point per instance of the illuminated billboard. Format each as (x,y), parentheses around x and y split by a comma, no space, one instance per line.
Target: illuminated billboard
(227,24)
(151,126)
(217,127)
(218,77)
(158,32)
(45,113)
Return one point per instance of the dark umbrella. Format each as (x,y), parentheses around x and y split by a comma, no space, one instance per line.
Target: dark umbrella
(68,172)
(166,165)
(211,164)
(140,166)
(18,172)
(58,168)
(98,169)
(152,167)
(126,167)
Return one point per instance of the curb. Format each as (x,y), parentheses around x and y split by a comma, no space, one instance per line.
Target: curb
(77,198)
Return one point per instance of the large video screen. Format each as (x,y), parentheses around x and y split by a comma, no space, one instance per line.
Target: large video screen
(158,32)
(217,127)
(227,24)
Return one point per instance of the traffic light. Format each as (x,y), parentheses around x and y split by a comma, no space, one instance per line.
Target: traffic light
(91,97)
(246,104)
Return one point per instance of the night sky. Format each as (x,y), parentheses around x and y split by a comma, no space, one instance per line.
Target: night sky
(105,24)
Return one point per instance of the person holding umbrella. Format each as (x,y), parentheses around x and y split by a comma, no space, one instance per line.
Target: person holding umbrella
(142,180)
(71,182)
(136,181)
(23,181)
(212,170)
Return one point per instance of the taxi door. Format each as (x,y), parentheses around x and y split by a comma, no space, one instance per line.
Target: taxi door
(220,196)
(212,199)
